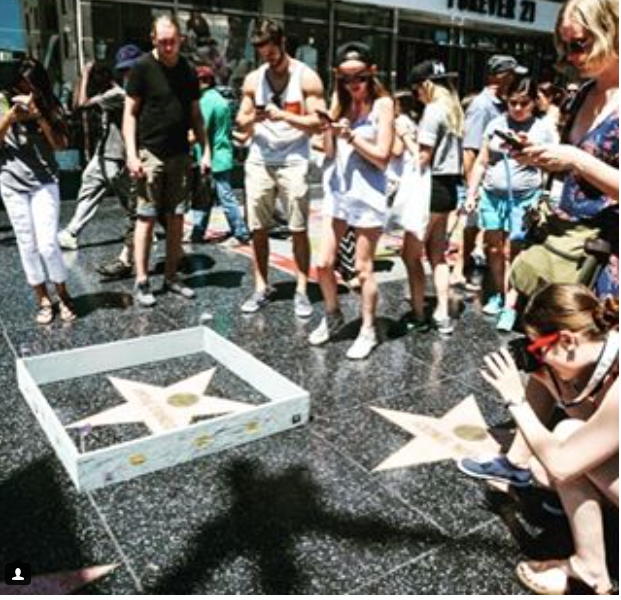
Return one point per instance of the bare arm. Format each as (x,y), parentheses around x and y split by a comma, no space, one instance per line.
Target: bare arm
(477,172)
(247,115)
(470,156)
(200,135)
(82,96)
(130,121)
(590,446)
(378,151)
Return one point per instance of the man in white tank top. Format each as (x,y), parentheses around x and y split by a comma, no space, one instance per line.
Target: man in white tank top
(278,110)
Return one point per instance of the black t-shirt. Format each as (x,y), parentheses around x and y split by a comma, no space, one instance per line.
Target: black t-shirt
(166,95)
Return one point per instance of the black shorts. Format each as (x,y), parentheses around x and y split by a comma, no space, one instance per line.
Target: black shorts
(444,193)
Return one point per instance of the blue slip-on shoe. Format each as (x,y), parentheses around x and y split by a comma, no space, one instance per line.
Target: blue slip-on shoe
(496,469)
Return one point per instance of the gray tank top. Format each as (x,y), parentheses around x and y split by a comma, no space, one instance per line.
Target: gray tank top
(277,143)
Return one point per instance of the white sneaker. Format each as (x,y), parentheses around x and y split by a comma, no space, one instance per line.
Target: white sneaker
(327,328)
(364,344)
(67,241)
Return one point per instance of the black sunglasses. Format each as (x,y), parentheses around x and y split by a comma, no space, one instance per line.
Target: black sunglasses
(519,103)
(577,46)
(349,79)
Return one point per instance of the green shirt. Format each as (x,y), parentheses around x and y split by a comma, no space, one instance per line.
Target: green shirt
(217,116)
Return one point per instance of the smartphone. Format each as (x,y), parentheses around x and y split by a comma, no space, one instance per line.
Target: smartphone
(510,139)
(524,360)
(259,107)
(324,114)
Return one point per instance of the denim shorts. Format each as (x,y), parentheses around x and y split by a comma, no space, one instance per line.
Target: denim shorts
(498,213)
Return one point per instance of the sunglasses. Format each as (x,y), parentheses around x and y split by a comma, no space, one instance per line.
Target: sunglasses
(519,103)
(354,79)
(542,344)
(577,46)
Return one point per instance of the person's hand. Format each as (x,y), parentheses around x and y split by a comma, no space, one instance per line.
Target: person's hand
(470,205)
(342,128)
(205,164)
(552,157)
(503,375)
(402,129)
(135,168)
(274,113)
(24,108)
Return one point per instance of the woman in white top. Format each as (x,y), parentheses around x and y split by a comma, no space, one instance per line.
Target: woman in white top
(358,135)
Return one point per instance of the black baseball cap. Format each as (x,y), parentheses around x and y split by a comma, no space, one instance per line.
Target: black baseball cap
(501,63)
(430,70)
(353,51)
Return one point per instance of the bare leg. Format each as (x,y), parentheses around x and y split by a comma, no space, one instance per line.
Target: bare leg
(301,255)
(436,248)
(143,238)
(260,257)
(495,251)
(412,255)
(174,235)
(332,232)
(366,242)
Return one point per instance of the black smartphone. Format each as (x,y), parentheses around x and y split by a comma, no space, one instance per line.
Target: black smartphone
(259,107)
(324,114)
(524,360)
(510,139)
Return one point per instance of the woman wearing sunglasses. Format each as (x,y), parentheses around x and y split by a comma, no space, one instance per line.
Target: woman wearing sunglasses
(358,136)
(31,128)
(579,370)
(587,39)
(508,189)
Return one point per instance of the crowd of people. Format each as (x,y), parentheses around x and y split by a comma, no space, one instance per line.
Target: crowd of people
(532,165)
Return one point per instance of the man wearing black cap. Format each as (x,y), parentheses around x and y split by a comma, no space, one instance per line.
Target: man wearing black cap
(490,103)
(278,109)
(106,171)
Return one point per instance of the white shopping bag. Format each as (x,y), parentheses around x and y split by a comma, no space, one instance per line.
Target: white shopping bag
(411,207)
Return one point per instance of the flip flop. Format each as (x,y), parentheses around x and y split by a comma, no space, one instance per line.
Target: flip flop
(67,311)
(45,313)
(549,578)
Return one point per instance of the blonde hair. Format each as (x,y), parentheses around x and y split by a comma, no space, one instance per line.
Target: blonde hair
(447,97)
(600,18)
(570,307)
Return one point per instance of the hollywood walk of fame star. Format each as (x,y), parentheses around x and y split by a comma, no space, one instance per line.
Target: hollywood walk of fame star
(163,408)
(56,584)
(460,433)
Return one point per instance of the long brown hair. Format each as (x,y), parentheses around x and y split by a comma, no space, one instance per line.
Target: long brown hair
(343,97)
(570,307)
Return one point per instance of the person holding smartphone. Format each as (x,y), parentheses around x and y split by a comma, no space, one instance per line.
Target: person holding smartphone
(358,142)
(503,189)
(31,128)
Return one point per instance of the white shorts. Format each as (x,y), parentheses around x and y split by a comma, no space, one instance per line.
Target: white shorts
(354,212)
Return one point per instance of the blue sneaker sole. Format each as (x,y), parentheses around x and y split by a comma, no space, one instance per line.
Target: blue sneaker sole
(499,479)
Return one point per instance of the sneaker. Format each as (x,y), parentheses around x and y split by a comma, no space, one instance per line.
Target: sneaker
(506,319)
(257,301)
(443,326)
(496,469)
(328,327)
(174,287)
(67,241)
(231,243)
(303,306)
(116,269)
(364,344)
(494,305)
(143,295)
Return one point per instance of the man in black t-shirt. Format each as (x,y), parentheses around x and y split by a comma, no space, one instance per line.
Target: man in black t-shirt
(162,105)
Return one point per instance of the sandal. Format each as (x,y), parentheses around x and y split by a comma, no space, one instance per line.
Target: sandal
(45,313)
(67,311)
(551,577)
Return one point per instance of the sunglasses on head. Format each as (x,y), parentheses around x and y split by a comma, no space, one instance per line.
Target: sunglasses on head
(519,103)
(577,46)
(355,79)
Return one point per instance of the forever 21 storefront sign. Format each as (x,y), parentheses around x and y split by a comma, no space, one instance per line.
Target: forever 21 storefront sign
(524,11)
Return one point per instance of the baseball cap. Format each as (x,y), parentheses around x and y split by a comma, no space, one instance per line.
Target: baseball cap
(205,73)
(501,63)
(127,56)
(353,51)
(429,70)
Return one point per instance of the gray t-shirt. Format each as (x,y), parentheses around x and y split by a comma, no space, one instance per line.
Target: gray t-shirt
(447,147)
(485,107)
(522,179)
(26,158)
(111,102)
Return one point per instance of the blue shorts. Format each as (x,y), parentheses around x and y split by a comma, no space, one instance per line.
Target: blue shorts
(497,213)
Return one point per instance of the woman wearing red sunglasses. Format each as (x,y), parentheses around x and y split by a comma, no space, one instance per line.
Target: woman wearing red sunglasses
(576,341)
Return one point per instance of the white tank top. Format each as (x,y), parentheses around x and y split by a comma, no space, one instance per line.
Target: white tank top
(276,142)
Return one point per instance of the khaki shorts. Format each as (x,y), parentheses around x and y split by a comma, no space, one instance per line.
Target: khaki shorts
(265,184)
(166,185)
